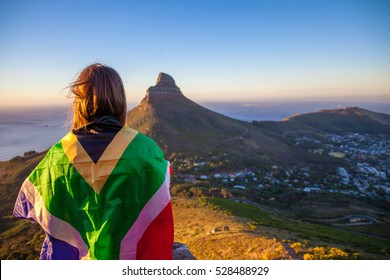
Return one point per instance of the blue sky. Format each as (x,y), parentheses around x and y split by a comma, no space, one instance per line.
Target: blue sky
(215,50)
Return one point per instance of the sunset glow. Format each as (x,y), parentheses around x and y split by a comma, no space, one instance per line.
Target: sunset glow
(241,50)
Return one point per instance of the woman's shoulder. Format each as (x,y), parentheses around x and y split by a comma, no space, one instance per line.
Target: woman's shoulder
(143,143)
(140,136)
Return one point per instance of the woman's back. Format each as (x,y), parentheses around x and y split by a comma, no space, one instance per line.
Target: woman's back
(102,192)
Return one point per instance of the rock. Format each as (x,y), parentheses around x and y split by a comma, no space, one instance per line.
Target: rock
(181,252)
(30,154)
(165,85)
(165,80)
(215,230)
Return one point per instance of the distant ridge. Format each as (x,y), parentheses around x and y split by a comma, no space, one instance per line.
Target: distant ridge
(337,121)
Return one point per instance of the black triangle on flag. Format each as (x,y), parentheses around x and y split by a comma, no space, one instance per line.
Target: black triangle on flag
(96,136)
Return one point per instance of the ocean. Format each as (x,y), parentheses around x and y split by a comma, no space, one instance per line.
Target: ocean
(23,130)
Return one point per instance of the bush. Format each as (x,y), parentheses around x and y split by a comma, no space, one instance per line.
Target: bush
(322,253)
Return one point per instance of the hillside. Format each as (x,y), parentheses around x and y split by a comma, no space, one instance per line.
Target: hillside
(180,125)
(19,239)
(212,228)
(200,228)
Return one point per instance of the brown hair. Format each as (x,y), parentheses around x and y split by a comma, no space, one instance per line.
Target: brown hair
(98,91)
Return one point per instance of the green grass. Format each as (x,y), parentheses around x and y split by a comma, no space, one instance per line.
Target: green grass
(380,229)
(304,230)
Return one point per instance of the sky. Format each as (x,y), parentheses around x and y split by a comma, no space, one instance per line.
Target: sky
(215,50)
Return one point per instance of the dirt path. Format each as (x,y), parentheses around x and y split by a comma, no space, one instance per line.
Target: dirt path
(291,251)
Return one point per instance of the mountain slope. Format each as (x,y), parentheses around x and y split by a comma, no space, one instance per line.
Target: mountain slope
(180,125)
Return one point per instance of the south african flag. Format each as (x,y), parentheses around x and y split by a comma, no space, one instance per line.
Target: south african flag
(115,207)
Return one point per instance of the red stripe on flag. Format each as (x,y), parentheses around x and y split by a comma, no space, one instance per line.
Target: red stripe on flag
(157,241)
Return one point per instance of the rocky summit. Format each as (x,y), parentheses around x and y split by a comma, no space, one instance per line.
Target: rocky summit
(165,85)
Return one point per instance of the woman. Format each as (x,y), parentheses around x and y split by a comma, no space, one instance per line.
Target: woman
(102,192)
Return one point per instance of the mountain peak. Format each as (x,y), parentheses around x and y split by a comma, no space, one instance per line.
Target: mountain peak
(164,79)
(165,85)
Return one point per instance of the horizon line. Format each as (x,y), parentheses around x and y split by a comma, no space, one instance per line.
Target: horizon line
(380,98)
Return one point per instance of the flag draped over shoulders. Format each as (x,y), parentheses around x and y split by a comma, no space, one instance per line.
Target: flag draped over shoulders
(104,196)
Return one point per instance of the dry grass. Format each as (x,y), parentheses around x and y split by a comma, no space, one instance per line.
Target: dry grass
(194,226)
(247,240)
(238,246)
